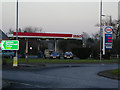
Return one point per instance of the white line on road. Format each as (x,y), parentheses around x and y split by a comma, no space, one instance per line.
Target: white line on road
(26,84)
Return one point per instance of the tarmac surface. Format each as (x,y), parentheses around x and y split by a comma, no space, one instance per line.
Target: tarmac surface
(60,76)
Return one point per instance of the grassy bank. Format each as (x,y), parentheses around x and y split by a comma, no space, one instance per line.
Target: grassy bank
(8,61)
(115,72)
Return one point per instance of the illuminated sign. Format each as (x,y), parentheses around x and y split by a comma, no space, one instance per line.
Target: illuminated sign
(108,29)
(108,37)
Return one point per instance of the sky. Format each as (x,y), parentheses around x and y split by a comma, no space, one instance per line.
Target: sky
(69,17)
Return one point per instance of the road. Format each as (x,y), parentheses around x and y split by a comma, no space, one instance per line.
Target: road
(79,76)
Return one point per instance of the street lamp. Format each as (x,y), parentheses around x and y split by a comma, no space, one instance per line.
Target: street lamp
(110,20)
(100,30)
(17,27)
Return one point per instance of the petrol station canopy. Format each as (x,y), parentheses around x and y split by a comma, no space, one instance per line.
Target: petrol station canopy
(46,35)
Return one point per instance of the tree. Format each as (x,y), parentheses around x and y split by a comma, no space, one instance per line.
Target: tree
(19,30)
(94,43)
(10,31)
(68,45)
(116,33)
(29,29)
(85,37)
(32,29)
(82,53)
(116,28)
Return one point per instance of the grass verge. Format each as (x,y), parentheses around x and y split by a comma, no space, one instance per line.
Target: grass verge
(115,72)
(21,61)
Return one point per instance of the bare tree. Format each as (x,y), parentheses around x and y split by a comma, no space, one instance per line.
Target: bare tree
(114,23)
(19,30)
(32,29)
(10,31)
(116,33)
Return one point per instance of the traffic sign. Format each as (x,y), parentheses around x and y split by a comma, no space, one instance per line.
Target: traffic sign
(9,45)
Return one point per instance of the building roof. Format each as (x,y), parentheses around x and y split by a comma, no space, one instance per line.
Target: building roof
(3,36)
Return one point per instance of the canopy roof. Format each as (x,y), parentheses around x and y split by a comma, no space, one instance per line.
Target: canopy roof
(45,35)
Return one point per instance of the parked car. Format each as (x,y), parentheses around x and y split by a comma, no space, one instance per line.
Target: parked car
(7,53)
(55,55)
(68,55)
(47,53)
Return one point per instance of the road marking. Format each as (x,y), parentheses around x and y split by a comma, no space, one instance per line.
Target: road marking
(26,84)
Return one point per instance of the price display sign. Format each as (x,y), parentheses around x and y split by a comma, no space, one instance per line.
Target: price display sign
(108,37)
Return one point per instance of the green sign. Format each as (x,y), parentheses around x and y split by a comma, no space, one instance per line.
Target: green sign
(9,45)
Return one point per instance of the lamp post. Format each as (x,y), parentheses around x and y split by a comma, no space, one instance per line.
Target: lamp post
(17,27)
(100,30)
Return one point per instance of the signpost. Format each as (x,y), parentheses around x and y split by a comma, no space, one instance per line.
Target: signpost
(10,45)
(15,63)
(107,38)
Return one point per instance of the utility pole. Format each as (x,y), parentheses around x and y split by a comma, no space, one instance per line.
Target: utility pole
(100,30)
(17,27)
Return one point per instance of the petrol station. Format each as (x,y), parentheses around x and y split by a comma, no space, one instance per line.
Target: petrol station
(48,36)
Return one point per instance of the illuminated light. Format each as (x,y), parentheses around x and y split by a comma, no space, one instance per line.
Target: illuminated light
(43,38)
(109,37)
(109,41)
(30,48)
(65,38)
(47,39)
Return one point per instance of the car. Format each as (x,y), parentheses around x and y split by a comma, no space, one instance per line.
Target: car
(68,55)
(47,53)
(55,55)
(7,53)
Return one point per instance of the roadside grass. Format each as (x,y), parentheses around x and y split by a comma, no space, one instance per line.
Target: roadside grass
(0,60)
(115,72)
(25,61)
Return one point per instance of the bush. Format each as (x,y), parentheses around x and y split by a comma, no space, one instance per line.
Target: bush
(107,55)
(95,54)
(4,62)
(82,53)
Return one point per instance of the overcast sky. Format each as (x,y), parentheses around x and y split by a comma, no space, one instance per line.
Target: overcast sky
(71,17)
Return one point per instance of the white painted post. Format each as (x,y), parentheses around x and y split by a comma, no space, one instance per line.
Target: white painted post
(103,42)
(26,48)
